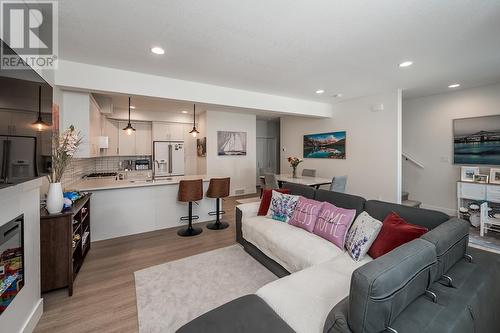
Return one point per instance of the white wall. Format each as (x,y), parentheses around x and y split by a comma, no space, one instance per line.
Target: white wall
(428,136)
(97,78)
(372,148)
(201,161)
(241,169)
(27,307)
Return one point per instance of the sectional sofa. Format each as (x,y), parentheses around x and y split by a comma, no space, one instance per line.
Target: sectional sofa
(433,284)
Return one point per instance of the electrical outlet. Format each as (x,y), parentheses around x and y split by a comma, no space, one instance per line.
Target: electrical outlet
(445,159)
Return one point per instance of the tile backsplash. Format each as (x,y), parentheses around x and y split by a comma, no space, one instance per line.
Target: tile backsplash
(80,167)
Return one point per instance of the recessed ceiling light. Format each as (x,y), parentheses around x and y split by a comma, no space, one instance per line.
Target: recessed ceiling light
(454,85)
(132,107)
(319,91)
(337,95)
(157,50)
(184,111)
(406,64)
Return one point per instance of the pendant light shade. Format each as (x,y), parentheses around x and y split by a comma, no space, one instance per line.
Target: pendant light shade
(39,124)
(194,132)
(129,129)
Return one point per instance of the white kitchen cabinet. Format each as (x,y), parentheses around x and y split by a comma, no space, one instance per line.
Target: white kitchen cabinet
(143,140)
(163,131)
(472,191)
(111,130)
(80,110)
(126,143)
(138,143)
(5,122)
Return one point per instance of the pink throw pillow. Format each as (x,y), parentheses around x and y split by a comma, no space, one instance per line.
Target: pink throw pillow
(333,223)
(306,213)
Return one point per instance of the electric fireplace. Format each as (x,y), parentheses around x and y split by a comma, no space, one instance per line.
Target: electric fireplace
(11,261)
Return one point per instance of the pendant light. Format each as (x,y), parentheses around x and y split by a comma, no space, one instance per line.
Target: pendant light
(194,132)
(39,124)
(129,129)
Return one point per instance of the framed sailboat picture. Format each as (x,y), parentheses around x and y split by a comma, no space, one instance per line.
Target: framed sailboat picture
(231,143)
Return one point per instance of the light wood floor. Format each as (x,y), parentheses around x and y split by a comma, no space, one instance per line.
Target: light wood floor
(104,292)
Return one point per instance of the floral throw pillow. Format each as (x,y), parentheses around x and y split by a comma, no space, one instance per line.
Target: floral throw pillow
(361,236)
(282,206)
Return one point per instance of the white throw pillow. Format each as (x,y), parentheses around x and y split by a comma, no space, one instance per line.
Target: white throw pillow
(361,236)
(282,206)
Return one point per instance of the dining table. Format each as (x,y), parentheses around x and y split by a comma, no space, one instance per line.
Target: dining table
(315,182)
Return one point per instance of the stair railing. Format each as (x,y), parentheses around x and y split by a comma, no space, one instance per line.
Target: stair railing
(410,158)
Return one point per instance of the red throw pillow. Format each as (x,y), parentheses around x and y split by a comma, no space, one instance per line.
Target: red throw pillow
(265,201)
(395,232)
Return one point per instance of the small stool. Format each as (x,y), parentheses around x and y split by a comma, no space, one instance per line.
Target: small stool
(218,189)
(189,191)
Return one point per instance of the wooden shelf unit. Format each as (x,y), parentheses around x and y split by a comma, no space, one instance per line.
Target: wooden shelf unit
(61,260)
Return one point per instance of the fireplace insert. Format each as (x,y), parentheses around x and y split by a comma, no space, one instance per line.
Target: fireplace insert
(11,261)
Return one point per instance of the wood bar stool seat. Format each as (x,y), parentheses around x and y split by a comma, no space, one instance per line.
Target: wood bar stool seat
(218,188)
(190,191)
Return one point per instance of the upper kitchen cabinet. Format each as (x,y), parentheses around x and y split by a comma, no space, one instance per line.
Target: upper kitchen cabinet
(138,143)
(163,131)
(81,110)
(142,138)
(111,130)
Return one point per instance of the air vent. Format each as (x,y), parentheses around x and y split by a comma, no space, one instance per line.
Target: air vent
(240,191)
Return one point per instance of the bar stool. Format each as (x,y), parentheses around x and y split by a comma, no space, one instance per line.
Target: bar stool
(190,191)
(218,188)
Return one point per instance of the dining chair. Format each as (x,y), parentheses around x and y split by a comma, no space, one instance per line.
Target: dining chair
(338,184)
(271,181)
(309,172)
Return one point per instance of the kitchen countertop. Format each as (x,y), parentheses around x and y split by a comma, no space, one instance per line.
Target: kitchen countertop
(96,184)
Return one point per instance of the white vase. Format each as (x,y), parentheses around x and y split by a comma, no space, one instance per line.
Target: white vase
(55,199)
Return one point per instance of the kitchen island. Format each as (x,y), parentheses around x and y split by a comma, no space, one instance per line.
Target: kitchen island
(127,207)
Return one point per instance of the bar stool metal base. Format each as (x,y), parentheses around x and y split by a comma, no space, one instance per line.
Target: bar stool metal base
(189,231)
(217,225)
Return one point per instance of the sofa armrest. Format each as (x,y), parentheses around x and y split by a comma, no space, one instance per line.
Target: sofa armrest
(244,211)
(336,322)
(249,209)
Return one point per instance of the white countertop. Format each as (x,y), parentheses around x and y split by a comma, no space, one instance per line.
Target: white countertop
(96,184)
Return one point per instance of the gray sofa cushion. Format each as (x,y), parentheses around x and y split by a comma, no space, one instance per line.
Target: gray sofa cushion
(451,239)
(419,216)
(465,307)
(383,288)
(247,314)
(342,200)
(303,190)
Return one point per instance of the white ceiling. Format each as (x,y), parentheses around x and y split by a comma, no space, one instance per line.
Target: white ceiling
(292,48)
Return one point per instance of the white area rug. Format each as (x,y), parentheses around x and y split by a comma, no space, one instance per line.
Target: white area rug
(174,293)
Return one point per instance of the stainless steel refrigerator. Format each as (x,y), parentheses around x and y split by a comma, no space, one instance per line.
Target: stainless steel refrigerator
(18,159)
(168,158)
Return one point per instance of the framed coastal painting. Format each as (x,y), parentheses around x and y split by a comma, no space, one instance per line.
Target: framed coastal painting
(201,147)
(477,140)
(325,145)
(231,143)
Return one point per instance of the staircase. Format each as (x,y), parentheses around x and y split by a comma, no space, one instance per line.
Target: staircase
(407,202)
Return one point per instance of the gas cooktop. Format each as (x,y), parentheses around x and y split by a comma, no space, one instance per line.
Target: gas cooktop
(101,175)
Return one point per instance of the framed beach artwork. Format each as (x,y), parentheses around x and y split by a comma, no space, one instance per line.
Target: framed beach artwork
(325,145)
(231,143)
(477,140)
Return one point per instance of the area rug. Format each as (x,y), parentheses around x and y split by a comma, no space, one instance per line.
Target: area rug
(174,293)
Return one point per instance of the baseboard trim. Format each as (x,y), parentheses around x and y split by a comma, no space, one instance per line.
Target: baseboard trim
(36,314)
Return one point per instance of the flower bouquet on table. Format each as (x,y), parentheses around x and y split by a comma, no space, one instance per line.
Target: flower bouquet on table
(294,162)
(64,147)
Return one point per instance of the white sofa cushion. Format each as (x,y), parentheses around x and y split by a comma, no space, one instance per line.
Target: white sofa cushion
(304,299)
(291,247)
